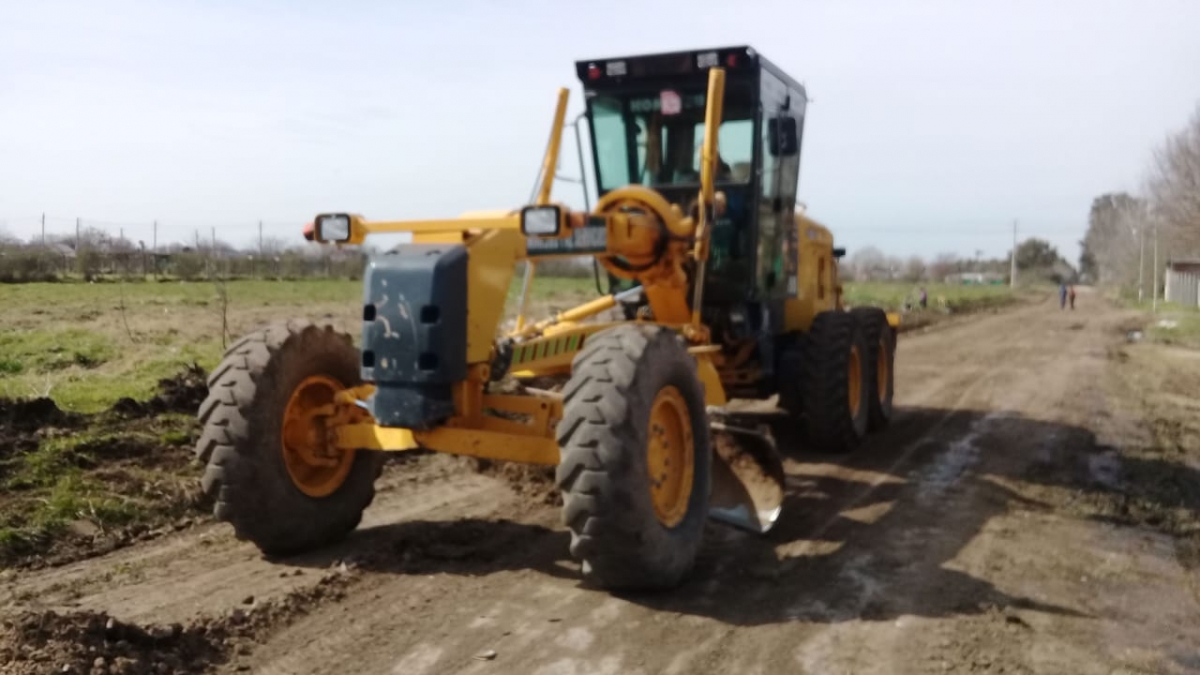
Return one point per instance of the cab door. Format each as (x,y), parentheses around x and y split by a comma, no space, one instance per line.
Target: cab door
(776,273)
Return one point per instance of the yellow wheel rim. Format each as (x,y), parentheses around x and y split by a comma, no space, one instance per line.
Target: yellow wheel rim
(316,469)
(855,375)
(883,370)
(670,455)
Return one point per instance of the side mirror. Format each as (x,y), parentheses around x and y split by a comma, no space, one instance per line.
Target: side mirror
(782,136)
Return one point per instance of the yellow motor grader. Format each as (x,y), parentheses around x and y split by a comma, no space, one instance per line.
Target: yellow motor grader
(722,289)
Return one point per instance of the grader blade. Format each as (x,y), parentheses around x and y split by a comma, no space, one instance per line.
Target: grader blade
(748,482)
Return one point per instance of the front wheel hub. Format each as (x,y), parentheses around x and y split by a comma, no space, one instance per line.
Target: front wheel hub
(670,456)
(316,468)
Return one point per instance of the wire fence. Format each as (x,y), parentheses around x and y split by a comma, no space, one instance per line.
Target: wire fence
(77,248)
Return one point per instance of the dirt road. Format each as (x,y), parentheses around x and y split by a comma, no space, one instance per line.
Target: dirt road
(988,530)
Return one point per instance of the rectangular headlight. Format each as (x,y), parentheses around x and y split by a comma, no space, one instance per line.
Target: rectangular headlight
(333,227)
(541,221)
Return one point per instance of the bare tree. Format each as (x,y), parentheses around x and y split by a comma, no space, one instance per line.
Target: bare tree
(943,265)
(914,269)
(866,264)
(1174,188)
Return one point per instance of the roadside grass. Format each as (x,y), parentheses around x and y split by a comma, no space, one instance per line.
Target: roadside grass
(91,482)
(1171,324)
(1175,325)
(953,298)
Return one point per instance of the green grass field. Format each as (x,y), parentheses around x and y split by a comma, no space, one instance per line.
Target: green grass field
(88,345)
(954,298)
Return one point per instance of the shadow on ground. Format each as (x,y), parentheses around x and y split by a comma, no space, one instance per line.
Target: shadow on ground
(863,536)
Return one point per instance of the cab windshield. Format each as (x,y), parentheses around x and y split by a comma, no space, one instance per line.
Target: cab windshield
(654,138)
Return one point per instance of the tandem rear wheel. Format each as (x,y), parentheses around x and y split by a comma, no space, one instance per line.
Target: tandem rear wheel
(827,382)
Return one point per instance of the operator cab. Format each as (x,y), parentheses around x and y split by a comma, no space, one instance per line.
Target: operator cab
(646,117)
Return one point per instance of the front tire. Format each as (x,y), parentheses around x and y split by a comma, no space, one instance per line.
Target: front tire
(636,460)
(266,468)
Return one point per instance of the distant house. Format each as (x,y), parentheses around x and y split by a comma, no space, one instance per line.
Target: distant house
(1182,282)
(1184,266)
(66,251)
(974,278)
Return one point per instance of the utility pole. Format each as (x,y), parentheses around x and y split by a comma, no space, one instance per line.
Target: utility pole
(43,230)
(1141,264)
(154,249)
(1154,307)
(1013,270)
(77,242)
(260,248)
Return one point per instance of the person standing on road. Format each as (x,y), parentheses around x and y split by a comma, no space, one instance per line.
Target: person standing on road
(1071,296)
(1062,295)
(924,298)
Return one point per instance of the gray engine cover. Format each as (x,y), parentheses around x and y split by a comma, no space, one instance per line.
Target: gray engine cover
(415,332)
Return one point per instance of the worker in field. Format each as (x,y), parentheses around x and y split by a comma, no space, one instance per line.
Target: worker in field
(924,298)
(1062,295)
(1071,296)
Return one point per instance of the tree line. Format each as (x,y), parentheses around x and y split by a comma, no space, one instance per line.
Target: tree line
(95,254)
(1124,228)
(1037,260)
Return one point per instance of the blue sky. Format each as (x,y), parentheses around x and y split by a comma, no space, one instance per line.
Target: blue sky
(934,124)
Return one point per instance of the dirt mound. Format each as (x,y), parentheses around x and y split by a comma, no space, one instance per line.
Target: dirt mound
(95,643)
(21,419)
(26,415)
(182,393)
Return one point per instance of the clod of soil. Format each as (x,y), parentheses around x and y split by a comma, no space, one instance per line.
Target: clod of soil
(182,393)
(39,642)
(24,416)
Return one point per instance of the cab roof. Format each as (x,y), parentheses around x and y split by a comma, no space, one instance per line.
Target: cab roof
(624,70)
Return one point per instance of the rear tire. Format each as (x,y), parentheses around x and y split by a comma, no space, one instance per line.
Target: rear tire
(815,383)
(242,441)
(880,338)
(618,529)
